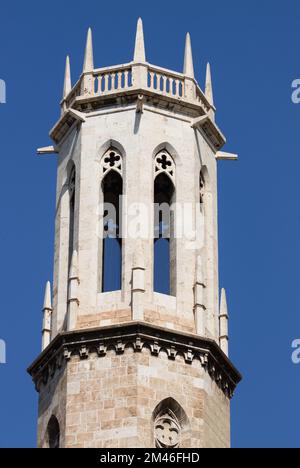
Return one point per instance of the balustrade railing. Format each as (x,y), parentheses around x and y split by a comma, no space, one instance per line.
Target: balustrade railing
(106,81)
(111,80)
(168,83)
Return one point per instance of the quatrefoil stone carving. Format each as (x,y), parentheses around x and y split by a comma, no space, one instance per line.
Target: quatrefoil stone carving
(164,163)
(167,432)
(112,160)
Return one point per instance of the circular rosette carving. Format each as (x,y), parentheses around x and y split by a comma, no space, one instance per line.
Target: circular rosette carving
(167,432)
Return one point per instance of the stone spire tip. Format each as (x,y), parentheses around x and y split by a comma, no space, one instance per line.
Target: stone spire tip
(139,50)
(188,67)
(208,85)
(223,305)
(47,299)
(67,80)
(89,56)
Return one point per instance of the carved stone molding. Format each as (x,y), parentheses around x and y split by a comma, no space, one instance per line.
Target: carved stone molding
(138,336)
(188,111)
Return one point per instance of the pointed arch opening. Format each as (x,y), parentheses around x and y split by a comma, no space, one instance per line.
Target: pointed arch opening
(53,433)
(112,191)
(164,225)
(170,425)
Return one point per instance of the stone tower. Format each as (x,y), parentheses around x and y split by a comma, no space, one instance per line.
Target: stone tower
(135,343)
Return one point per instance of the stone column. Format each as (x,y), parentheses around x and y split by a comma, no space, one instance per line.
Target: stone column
(73,301)
(200,309)
(138,284)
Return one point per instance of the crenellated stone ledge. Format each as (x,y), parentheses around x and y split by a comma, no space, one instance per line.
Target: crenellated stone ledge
(138,336)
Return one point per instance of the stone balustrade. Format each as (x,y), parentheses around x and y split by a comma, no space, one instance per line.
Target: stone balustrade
(166,82)
(110,80)
(136,76)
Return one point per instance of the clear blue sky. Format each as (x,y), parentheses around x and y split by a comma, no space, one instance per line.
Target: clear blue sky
(253,47)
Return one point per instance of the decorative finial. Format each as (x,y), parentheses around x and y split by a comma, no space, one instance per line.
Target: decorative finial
(188,68)
(223,305)
(47,299)
(208,86)
(67,81)
(89,57)
(224,323)
(47,312)
(139,50)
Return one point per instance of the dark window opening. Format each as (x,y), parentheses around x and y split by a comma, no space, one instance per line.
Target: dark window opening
(112,233)
(53,433)
(164,243)
(71,214)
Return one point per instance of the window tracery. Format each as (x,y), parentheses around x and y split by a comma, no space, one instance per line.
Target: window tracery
(164,164)
(112,160)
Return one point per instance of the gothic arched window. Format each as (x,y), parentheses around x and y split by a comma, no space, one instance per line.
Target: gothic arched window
(71,189)
(170,425)
(112,190)
(53,433)
(164,239)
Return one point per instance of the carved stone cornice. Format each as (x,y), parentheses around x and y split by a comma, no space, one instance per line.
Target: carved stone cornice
(137,335)
(123,101)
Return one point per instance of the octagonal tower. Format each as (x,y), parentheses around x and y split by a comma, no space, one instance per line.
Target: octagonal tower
(135,343)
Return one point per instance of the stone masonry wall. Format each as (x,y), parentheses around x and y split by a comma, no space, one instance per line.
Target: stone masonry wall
(110,401)
(53,402)
(160,317)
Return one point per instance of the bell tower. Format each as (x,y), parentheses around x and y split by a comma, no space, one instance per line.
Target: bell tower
(135,338)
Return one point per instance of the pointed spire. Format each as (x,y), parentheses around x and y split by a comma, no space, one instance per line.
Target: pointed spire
(224,340)
(47,299)
(223,305)
(47,313)
(139,50)
(89,57)
(208,86)
(67,82)
(188,68)
(74,266)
